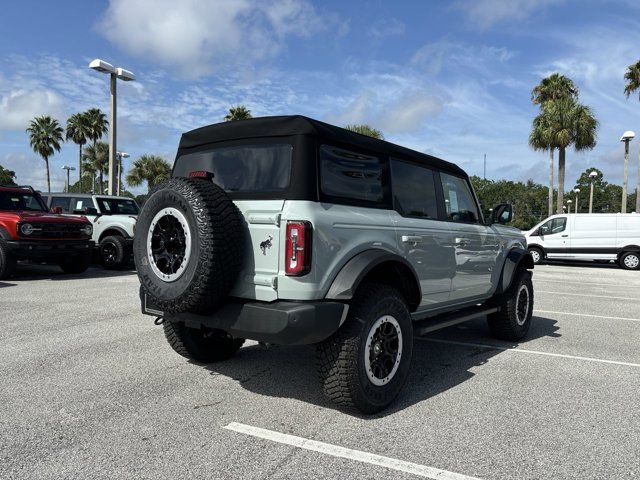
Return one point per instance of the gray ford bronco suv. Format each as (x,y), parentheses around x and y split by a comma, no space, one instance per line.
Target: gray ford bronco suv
(287,230)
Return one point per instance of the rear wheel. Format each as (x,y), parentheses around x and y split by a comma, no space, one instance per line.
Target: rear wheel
(365,364)
(537,255)
(113,252)
(630,260)
(202,345)
(7,261)
(513,320)
(76,264)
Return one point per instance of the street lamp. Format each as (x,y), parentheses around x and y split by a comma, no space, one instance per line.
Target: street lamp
(68,169)
(577,192)
(569,202)
(114,73)
(626,138)
(120,156)
(592,177)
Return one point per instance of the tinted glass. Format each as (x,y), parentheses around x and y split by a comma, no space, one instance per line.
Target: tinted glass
(459,202)
(414,191)
(21,201)
(117,206)
(350,175)
(555,225)
(246,168)
(61,202)
(82,203)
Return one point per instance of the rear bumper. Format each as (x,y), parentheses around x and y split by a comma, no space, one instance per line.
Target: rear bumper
(49,251)
(280,322)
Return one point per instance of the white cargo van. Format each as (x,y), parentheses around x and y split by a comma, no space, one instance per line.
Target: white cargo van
(588,236)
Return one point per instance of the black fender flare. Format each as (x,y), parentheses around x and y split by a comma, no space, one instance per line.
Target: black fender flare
(517,259)
(108,231)
(628,248)
(356,269)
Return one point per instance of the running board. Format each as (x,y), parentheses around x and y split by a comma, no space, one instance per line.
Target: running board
(445,320)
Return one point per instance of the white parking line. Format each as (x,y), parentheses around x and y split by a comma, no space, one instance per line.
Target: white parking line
(534,352)
(540,278)
(588,295)
(588,315)
(342,452)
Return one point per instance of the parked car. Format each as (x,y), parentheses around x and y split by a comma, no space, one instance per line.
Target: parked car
(30,232)
(291,231)
(600,237)
(113,219)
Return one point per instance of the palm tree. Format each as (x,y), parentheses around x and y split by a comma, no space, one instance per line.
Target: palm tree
(239,112)
(569,123)
(367,130)
(96,158)
(149,168)
(554,87)
(541,138)
(632,76)
(78,133)
(97,124)
(45,135)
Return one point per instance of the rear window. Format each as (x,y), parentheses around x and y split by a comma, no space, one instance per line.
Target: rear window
(350,175)
(245,168)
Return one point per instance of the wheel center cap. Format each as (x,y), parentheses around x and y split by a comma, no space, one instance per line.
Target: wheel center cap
(377,348)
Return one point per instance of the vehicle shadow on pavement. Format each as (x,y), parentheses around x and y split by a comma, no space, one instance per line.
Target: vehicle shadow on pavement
(53,272)
(289,372)
(4,284)
(582,264)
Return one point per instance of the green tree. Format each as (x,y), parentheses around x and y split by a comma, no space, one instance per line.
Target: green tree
(632,77)
(97,124)
(78,132)
(7,177)
(45,136)
(364,129)
(96,160)
(238,112)
(149,168)
(571,124)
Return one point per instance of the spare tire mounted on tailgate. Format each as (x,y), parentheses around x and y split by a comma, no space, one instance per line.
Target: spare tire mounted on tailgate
(188,246)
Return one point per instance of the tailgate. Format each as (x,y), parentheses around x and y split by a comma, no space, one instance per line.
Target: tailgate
(261,261)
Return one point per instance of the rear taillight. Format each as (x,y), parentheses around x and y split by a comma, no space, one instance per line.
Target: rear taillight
(298,248)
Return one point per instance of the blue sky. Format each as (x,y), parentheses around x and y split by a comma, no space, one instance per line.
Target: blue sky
(448,78)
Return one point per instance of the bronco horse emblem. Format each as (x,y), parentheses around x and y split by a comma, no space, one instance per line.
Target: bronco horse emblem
(266,244)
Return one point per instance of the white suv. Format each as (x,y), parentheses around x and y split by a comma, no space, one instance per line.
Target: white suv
(113,219)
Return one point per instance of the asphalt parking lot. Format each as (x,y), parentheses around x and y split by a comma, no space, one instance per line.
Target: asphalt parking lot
(90,389)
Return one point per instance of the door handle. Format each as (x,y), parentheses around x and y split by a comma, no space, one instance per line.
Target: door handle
(411,239)
(564,236)
(462,242)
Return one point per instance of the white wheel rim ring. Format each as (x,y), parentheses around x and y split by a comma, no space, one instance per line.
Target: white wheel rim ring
(631,261)
(170,211)
(521,321)
(367,350)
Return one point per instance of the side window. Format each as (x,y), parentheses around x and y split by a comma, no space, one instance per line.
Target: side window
(414,191)
(555,225)
(460,205)
(350,175)
(81,203)
(63,202)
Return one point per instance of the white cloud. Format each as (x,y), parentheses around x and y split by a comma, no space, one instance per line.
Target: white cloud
(486,13)
(387,28)
(18,107)
(202,37)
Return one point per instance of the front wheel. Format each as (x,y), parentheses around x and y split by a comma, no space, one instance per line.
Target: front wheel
(365,364)
(113,252)
(630,261)
(513,320)
(537,255)
(7,261)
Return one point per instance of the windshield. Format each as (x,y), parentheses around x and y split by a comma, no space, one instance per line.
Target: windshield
(246,168)
(15,201)
(117,206)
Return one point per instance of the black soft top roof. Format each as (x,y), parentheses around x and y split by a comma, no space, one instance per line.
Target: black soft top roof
(288,125)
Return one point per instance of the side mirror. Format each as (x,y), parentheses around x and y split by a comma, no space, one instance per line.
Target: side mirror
(56,210)
(502,213)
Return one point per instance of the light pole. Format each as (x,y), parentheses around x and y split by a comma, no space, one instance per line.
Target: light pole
(68,169)
(569,202)
(626,138)
(577,192)
(592,177)
(638,186)
(114,73)
(120,156)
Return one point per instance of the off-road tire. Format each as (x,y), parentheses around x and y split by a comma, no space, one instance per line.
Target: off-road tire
(7,261)
(113,252)
(630,260)
(217,245)
(201,345)
(507,323)
(76,264)
(537,255)
(341,362)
